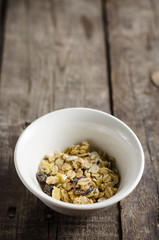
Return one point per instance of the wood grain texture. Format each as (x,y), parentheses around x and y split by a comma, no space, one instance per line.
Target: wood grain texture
(53,57)
(134,38)
(3,10)
(80,69)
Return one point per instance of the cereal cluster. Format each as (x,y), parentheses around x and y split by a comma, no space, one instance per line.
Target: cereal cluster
(79,175)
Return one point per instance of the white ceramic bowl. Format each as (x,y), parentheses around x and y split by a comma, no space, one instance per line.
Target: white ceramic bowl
(60,129)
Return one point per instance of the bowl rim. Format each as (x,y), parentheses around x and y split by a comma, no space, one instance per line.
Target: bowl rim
(45,198)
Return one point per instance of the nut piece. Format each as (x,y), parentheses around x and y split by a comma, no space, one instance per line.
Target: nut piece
(79,175)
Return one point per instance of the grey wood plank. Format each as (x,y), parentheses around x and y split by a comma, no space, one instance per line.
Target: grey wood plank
(3,10)
(80,70)
(28,62)
(26,92)
(54,57)
(81,80)
(134,50)
(21,214)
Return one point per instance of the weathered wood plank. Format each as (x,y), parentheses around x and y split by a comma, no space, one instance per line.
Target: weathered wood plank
(27,74)
(1,20)
(3,7)
(80,80)
(134,50)
(53,57)
(80,71)
(26,92)
(21,214)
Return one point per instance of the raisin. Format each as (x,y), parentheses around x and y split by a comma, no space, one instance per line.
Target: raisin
(41,177)
(82,192)
(48,189)
(75,179)
(91,188)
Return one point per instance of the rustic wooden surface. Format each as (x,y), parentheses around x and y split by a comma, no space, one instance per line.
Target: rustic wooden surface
(64,53)
(134,51)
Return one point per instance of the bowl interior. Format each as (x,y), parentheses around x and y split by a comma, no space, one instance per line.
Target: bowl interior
(60,129)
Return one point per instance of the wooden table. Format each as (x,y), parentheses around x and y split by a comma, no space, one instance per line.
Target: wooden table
(65,53)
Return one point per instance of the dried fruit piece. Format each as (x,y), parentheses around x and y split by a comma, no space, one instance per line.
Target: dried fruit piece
(79,175)
(87,174)
(71,195)
(94,156)
(62,177)
(102,199)
(85,164)
(82,200)
(84,181)
(71,174)
(54,170)
(58,154)
(94,169)
(99,181)
(96,193)
(41,177)
(56,193)
(44,165)
(69,158)
(90,189)
(110,191)
(104,170)
(66,167)
(67,186)
(52,180)
(107,178)
(50,157)
(48,189)
(79,172)
(59,162)
(101,194)
(65,195)
(96,175)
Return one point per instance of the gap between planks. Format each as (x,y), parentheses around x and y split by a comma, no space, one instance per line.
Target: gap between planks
(108,63)
(107,52)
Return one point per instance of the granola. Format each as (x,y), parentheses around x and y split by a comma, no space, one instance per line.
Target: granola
(79,175)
